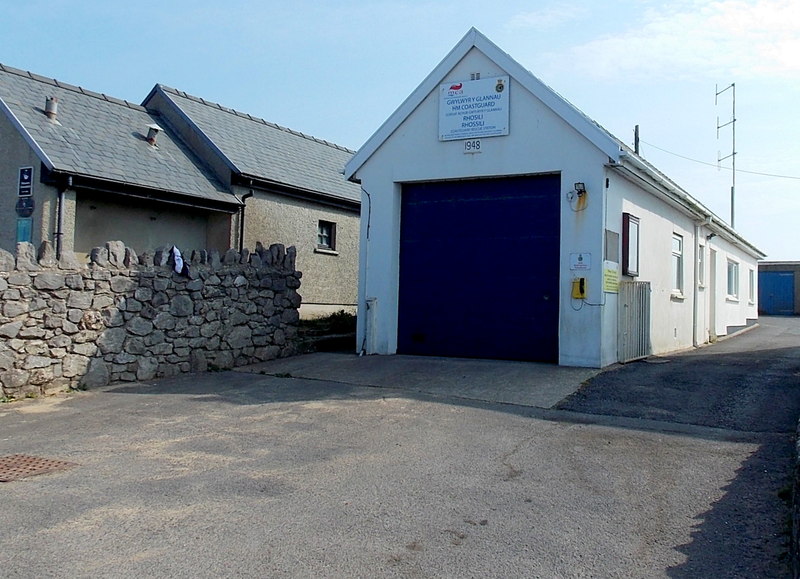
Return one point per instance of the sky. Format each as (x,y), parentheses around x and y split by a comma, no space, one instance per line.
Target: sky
(338,69)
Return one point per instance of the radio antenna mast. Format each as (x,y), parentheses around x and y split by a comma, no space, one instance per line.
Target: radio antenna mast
(732,156)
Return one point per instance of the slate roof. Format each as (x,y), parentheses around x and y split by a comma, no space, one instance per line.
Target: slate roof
(101,137)
(255,148)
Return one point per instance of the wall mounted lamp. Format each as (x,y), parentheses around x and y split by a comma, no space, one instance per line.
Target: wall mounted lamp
(580,189)
(711,236)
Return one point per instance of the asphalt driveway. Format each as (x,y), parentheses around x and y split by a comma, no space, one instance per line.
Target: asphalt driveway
(292,472)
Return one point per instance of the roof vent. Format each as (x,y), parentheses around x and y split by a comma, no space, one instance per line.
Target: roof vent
(51,107)
(152,133)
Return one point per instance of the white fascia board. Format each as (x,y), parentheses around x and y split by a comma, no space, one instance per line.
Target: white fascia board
(645,175)
(571,115)
(26,135)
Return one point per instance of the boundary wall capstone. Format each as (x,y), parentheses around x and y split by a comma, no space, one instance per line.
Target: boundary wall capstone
(123,318)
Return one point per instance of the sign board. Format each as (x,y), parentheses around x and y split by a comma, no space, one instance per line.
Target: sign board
(472,109)
(610,277)
(25,188)
(580,261)
(24,206)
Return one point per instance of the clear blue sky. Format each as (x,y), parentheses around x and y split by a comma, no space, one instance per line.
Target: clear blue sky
(338,69)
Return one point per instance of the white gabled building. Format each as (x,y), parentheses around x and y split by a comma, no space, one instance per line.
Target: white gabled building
(498,221)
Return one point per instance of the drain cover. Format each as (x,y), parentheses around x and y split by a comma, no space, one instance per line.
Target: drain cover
(16,466)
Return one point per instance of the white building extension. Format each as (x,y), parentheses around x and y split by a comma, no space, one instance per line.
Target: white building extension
(498,221)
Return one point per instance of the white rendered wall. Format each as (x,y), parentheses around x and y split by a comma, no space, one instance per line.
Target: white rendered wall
(538,142)
(672,315)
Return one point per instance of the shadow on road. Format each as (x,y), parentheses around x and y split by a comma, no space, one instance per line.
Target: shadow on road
(755,511)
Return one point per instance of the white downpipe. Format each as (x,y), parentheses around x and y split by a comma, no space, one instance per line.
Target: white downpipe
(698,228)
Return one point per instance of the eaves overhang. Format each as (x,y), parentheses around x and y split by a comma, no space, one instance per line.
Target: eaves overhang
(92,183)
(640,172)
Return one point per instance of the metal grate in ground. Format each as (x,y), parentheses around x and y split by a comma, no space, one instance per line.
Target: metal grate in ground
(17,466)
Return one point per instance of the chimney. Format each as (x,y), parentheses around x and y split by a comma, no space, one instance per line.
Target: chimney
(152,133)
(51,107)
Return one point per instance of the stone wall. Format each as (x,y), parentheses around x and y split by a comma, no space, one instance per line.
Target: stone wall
(124,317)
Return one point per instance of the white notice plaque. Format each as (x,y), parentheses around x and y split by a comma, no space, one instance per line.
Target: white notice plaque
(472,109)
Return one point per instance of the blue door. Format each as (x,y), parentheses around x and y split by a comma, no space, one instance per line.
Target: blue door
(776,293)
(479,268)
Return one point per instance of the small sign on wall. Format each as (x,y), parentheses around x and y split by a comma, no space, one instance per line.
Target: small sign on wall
(610,277)
(25,188)
(580,261)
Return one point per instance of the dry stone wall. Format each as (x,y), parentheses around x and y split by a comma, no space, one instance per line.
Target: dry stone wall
(124,317)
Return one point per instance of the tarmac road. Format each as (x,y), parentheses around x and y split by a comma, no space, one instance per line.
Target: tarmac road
(238,474)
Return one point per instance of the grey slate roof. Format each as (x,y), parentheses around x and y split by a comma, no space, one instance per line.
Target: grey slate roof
(102,137)
(256,148)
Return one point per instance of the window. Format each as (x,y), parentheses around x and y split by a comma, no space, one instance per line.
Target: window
(733,279)
(630,245)
(326,235)
(751,295)
(677,263)
(701,266)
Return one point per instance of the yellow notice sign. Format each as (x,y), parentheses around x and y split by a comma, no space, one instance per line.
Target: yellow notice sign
(611,277)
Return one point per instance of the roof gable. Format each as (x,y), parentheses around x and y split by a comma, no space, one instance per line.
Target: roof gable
(104,138)
(474,39)
(254,148)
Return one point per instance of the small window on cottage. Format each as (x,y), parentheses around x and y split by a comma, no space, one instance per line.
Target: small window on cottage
(630,245)
(752,287)
(326,235)
(733,279)
(677,263)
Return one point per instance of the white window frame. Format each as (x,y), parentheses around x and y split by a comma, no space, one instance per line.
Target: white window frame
(677,265)
(751,297)
(701,266)
(733,279)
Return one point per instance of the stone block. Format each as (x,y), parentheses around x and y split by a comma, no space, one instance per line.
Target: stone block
(139,326)
(26,257)
(116,253)
(85,349)
(47,255)
(181,306)
(97,374)
(12,309)
(110,341)
(123,284)
(32,362)
(99,256)
(7,261)
(81,300)
(49,280)
(13,379)
(146,368)
(74,365)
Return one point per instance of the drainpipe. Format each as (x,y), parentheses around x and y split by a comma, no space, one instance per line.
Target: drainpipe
(59,234)
(245,197)
(698,225)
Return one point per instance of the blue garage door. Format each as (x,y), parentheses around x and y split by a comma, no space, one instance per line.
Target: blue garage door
(479,269)
(776,293)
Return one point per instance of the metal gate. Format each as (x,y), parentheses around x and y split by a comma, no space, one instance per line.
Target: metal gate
(633,339)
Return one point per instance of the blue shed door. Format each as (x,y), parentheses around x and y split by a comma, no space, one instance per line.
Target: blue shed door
(776,293)
(479,268)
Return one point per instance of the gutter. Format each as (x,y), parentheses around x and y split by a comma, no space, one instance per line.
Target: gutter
(642,173)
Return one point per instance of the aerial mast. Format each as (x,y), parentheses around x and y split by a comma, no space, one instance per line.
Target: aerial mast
(732,156)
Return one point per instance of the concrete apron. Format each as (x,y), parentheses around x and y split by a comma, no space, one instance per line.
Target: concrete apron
(497,381)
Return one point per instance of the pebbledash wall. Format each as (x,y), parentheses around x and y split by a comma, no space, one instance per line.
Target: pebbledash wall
(124,317)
